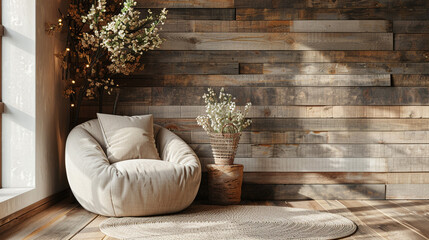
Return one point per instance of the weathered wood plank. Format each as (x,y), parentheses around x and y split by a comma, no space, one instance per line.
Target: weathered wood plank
(307,56)
(270,111)
(185,4)
(310,111)
(331,4)
(189,68)
(408,80)
(407,191)
(309,164)
(337,150)
(408,164)
(340,124)
(294,137)
(414,112)
(277,41)
(408,178)
(251,68)
(278,26)
(411,41)
(345,68)
(314,178)
(197,13)
(246,80)
(186,124)
(338,96)
(331,14)
(280,96)
(389,229)
(411,26)
(295,192)
(29,224)
(238,56)
(64,227)
(365,111)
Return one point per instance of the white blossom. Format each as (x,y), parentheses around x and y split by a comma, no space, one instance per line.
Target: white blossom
(222,116)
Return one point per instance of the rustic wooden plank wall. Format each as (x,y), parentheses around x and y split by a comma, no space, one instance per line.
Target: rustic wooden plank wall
(339,88)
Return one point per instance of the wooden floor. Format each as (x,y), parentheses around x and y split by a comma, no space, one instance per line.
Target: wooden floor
(399,219)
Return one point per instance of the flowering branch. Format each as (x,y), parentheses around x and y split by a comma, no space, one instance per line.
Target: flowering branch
(105,39)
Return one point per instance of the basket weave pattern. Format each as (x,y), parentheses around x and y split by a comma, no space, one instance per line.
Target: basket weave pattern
(224,147)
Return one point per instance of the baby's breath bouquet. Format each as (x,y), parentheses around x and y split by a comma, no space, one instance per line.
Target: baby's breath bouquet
(105,39)
(224,124)
(222,116)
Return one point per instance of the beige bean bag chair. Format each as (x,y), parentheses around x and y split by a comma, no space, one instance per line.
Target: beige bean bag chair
(138,187)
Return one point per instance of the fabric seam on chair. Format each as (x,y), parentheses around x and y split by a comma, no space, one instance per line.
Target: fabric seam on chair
(111,197)
(104,134)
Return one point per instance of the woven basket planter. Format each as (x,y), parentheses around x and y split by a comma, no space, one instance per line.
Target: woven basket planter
(224,147)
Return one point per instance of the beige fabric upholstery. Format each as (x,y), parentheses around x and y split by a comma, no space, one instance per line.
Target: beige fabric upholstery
(137,187)
(128,137)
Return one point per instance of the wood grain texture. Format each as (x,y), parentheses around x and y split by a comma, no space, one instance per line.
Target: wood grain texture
(252,80)
(294,137)
(402,215)
(411,26)
(330,4)
(392,228)
(277,111)
(295,192)
(288,56)
(345,68)
(189,68)
(309,164)
(278,26)
(196,13)
(185,4)
(277,41)
(321,150)
(407,191)
(408,164)
(408,178)
(340,89)
(330,14)
(408,80)
(316,178)
(280,96)
(185,124)
(411,41)
(251,68)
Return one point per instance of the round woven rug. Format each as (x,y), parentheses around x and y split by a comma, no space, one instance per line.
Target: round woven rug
(232,222)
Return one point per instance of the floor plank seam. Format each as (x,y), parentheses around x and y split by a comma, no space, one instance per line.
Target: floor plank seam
(83,227)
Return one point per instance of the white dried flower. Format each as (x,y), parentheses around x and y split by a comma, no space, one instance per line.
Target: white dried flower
(222,116)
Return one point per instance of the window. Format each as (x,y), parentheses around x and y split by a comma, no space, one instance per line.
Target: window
(1,103)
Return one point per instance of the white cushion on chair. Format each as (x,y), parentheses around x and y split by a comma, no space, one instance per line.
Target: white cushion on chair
(128,137)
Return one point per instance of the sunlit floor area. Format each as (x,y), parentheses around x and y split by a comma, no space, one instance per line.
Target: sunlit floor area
(396,219)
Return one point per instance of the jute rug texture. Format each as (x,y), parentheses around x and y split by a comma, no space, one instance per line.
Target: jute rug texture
(232,222)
